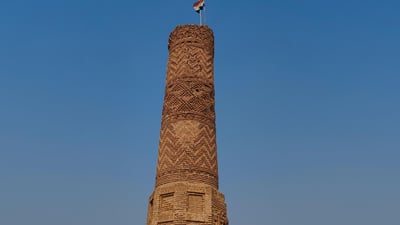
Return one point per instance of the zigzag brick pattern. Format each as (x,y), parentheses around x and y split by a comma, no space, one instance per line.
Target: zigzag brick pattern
(186,190)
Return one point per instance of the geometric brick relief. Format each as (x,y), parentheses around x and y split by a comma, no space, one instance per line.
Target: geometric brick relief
(187,146)
(189,97)
(186,131)
(192,35)
(190,62)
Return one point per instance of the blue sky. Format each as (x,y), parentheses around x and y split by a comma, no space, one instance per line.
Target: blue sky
(307,103)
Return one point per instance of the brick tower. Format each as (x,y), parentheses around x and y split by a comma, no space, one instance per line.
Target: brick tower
(186,190)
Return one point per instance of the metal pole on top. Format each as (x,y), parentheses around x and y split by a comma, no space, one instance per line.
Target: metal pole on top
(204,7)
(200,18)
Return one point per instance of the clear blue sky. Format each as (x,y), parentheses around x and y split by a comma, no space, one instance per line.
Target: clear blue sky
(307,103)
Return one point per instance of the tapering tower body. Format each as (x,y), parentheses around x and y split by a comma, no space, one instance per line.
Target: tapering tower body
(186,190)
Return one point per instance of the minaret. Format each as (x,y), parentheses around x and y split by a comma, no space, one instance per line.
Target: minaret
(186,190)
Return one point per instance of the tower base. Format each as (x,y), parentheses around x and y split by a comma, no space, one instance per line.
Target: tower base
(183,203)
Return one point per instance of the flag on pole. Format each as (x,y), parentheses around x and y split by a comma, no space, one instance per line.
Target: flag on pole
(198,6)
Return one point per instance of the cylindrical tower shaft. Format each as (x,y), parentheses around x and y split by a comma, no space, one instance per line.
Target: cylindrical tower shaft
(187,150)
(186,190)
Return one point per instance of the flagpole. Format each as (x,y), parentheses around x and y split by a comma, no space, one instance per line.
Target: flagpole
(200,17)
(205,15)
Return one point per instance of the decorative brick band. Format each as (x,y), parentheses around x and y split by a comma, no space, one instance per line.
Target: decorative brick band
(191,176)
(194,35)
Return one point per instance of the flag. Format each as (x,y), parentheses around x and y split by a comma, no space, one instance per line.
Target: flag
(198,6)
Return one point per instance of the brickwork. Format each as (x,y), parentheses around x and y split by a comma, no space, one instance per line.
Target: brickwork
(186,190)
(192,204)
